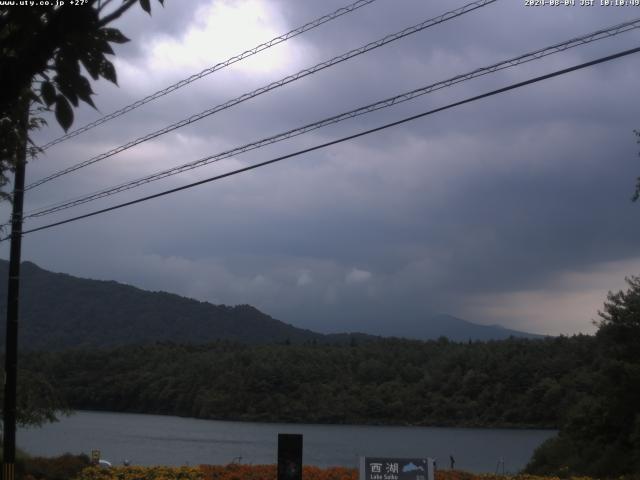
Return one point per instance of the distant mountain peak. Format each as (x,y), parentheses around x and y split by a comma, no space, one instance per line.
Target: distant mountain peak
(454,328)
(61,311)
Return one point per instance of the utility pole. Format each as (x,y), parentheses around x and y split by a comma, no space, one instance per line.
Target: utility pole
(13,296)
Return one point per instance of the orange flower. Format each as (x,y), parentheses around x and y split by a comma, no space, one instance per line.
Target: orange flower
(266,472)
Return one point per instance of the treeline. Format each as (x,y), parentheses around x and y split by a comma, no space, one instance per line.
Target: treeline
(509,383)
(600,434)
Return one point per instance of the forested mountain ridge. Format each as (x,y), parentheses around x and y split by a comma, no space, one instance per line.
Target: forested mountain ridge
(61,311)
(509,383)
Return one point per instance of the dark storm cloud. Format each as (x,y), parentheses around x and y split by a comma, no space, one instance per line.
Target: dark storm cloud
(481,211)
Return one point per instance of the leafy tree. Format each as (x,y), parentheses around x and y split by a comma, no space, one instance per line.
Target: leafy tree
(42,50)
(38,401)
(619,388)
(619,327)
(601,434)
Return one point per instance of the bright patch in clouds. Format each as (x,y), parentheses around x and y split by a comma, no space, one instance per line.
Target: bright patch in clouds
(568,305)
(222,30)
(304,279)
(357,276)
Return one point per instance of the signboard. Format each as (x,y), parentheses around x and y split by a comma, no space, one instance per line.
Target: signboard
(381,468)
(95,457)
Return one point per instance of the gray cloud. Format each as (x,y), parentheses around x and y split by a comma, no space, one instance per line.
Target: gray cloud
(513,209)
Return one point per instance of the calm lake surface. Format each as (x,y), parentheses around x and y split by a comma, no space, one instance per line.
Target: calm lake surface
(153,439)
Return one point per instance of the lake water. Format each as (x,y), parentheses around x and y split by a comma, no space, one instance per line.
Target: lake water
(153,439)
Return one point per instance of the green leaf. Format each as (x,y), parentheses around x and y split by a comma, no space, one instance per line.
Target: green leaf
(84,91)
(36,123)
(104,47)
(146,6)
(91,62)
(114,35)
(64,113)
(65,85)
(66,63)
(108,71)
(48,92)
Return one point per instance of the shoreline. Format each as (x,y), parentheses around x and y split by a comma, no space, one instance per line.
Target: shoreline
(303,423)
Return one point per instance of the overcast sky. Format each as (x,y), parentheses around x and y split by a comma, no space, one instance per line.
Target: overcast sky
(512,210)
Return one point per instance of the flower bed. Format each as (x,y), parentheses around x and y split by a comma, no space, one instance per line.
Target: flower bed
(267,472)
(142,473)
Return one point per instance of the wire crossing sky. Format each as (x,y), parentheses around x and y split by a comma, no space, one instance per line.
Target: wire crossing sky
(388,102)
(341,140)
(207,71)
(449,15)
(514,210)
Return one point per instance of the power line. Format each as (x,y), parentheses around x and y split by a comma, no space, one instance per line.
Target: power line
(284,81)
(340,140)
(512,62)
(207,71)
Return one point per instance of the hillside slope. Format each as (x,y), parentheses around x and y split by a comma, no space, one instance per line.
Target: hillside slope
(61,311)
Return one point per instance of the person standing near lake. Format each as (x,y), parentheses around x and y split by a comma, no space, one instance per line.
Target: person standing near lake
(452,461)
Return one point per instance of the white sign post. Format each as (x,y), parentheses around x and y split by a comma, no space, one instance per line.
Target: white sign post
(385,468)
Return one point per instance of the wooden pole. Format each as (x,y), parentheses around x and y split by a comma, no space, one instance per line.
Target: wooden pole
(13,297)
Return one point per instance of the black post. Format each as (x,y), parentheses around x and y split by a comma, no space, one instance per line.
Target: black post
(11,348)
(289,456)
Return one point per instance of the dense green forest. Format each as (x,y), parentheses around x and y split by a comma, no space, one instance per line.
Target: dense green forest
(513,383)
(587,386)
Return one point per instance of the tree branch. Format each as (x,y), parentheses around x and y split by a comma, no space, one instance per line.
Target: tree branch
(117,13)
(104,4)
